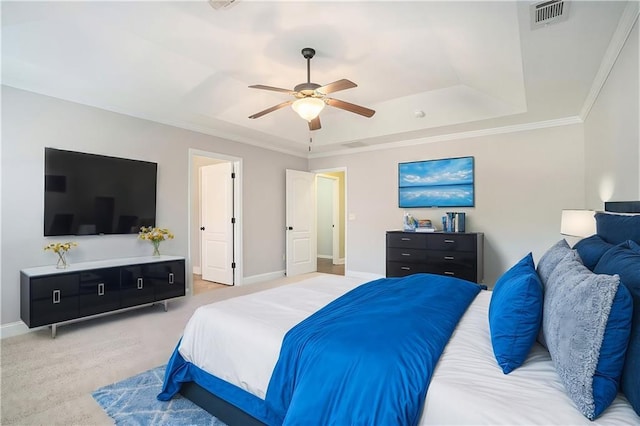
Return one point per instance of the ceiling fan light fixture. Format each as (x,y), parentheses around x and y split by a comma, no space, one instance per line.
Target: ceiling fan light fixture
(308,108)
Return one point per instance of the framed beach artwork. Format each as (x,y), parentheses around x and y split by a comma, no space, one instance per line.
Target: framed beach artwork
(436,183)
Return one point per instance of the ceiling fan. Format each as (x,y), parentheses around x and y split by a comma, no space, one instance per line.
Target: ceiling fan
(311,98)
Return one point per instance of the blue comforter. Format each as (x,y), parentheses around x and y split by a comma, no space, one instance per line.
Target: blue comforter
(367,358)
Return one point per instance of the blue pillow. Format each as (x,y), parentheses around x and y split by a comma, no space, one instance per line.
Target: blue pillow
(515,313)
(586,323)
(591,250)
(617,228)
(624,260)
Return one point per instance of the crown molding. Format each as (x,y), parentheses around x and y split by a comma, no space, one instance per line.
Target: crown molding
(627,21)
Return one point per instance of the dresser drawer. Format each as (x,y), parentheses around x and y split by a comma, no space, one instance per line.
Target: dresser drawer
(457,242)
(466,273)
(455,258)
(406,240)
(400,269)
(451,254)
(406,255)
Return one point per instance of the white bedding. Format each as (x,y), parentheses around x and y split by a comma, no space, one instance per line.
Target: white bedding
(239,340)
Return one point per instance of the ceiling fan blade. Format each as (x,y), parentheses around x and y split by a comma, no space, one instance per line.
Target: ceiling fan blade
(273,89)
(315,124)
(350,107)
(273,108)
(336,86)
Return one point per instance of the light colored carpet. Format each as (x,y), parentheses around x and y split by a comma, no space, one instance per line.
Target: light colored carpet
(47,381)
(200,285)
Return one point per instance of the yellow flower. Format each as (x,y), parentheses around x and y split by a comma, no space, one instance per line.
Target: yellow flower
(60,247)
(155,234)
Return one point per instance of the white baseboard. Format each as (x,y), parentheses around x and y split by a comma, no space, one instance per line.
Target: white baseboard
(340,261)
(262,277)
(197,270)
(15,329)
(325,256)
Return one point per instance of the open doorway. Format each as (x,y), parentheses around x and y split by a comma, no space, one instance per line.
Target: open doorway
(330,195)
(214,221)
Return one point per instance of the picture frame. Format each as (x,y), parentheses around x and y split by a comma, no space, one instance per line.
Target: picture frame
(447,182)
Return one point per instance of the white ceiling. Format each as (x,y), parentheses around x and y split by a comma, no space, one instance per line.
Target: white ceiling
(467,65)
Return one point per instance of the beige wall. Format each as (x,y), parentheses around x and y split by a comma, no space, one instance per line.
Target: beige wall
(31,121)
(612,139)
(522,181)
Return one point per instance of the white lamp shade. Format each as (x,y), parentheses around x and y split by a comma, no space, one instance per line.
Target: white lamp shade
(578,223)
(308,108)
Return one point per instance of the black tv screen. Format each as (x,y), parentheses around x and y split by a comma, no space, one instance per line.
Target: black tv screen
(88,194)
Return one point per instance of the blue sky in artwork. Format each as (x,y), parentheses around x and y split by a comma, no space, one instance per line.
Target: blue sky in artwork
(451,171)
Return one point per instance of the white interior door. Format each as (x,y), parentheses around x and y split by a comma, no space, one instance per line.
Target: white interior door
(216,223)
(301,222)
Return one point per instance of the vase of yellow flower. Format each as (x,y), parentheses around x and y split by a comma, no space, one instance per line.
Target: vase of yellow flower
(156,236)
(61,250)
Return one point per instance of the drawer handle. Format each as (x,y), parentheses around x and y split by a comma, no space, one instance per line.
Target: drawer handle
(448,273)
(405,239)
(140,284)
(449,258)
(56,296)
(100,289)
(405,268)
(170,277)
(449,241)
(406,254)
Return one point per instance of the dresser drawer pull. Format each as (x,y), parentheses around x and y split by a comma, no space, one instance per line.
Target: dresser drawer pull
(140,284)
(449,241)
(405,239)
(405,268)
(449,258)
(405,254)
(56,296)
(448,273)
(100,289)
(171,278)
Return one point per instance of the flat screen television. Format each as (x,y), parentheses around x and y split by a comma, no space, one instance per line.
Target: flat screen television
(436,183)
(89,194)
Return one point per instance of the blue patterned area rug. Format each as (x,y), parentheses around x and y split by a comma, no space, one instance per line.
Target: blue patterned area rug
(133,402)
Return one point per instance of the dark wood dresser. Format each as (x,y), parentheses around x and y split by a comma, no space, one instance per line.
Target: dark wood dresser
(455,254)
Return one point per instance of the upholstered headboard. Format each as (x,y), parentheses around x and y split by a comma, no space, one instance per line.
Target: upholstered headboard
(622,206)
(616,225)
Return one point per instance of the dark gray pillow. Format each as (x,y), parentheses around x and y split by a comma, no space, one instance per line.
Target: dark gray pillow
(550,260)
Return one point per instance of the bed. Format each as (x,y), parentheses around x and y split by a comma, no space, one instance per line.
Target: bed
(232,352)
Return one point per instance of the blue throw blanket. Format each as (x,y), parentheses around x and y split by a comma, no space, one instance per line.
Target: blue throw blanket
(367,358)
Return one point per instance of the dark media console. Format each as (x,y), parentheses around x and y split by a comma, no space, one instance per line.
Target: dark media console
(50,296)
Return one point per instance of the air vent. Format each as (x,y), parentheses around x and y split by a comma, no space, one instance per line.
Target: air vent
(548,12)
(222,4)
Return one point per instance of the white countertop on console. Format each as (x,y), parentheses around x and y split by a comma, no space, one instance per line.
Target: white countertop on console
(97,264)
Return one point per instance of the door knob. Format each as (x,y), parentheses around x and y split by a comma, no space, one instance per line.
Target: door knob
(202,228)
